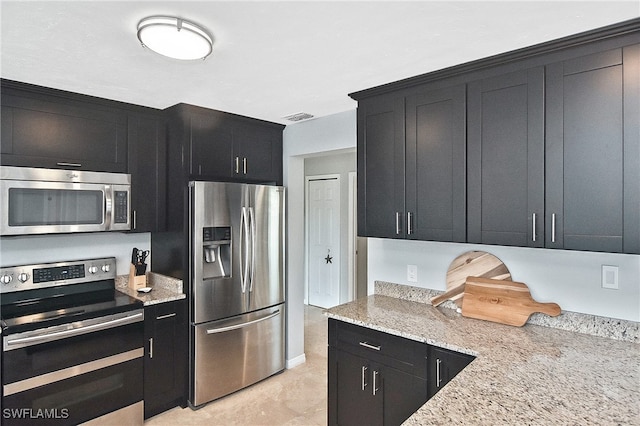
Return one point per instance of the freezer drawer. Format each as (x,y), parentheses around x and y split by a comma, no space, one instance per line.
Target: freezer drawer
(236,352)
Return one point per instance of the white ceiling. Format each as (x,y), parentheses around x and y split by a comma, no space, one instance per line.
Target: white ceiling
(272,59)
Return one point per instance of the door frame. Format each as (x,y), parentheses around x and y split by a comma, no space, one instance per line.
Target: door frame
(308,179)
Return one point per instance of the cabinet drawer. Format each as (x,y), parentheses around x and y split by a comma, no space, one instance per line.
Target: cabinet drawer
(398,352)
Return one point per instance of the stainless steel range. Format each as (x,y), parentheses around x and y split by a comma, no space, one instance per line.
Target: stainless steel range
(72,345)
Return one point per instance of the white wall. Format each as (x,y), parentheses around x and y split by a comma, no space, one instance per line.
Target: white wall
(570,278)
(34,249)
(334,133)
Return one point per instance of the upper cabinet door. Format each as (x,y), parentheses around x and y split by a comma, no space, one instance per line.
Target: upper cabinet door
(211,146)
(381,156)
(52,131)
(257,153)
(435,165)
(506,160)
(147,166)
(592,152)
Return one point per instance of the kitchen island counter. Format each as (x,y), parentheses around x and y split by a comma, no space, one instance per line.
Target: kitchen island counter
(521,375)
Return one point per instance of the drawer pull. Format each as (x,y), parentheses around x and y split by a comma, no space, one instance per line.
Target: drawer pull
(161,317)
(367,345)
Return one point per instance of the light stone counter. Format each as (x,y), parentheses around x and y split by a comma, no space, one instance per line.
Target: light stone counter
(531,375)
(163,288)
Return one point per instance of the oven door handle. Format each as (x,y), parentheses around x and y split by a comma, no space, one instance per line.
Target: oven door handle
(48,337)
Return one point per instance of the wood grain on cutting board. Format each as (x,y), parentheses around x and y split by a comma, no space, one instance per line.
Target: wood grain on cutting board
(474,264)
(502,301)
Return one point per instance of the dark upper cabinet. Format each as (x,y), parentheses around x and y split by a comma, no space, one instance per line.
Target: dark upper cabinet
(215,145)
(381,162)
(204,144)
(53,129)
(552,148)
(506,159)
(435,165)
(411,156)
(211,152)
(257,152)
(592,152)
(147,166)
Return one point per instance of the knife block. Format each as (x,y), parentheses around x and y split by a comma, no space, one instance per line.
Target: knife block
(136,281)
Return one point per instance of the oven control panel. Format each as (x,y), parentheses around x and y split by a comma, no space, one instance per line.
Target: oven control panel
(27,277)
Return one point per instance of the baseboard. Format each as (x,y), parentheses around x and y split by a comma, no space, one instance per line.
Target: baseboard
(294,362)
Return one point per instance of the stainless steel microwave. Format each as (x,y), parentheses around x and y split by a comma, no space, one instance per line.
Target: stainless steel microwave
(51,201)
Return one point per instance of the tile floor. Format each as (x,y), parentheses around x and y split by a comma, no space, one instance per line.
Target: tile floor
(294,397)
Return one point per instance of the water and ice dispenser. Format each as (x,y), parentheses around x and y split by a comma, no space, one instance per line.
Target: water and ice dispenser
(216,248)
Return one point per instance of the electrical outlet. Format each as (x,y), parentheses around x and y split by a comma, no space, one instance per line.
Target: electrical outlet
(610,277)
(412,273)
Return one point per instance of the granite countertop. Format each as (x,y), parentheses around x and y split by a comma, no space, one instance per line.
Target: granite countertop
(163,288)
(531,375)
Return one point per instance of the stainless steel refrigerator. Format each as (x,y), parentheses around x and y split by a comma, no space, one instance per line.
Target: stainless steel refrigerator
(237,286)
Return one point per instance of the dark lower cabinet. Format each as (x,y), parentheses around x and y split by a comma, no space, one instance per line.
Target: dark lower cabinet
(444,365)
(165,361)
(373,393)
(374,378)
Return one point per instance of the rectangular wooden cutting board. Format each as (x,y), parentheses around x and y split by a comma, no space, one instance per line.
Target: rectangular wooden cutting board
(506,302)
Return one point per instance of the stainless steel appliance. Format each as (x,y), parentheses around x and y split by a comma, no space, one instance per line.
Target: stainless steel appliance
(72,345)
(48,201)
(237,286)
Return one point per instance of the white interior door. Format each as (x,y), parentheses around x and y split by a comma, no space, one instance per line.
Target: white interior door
(323,241)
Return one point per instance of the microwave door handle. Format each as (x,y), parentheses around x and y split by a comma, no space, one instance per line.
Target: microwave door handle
(108,206)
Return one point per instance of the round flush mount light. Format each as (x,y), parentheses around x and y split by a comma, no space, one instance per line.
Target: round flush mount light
(175,37)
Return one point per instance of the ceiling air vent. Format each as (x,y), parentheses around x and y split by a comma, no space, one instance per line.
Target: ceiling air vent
(298,116)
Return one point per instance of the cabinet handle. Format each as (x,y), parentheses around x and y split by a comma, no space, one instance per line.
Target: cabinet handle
(237,160)
(135,222)
(375,387)
(244,165)
(367,345)
(553,227)
(534,227)
(397,223)
(364,380)
(409,226)
(166,316)
(438,379)
(151,347)
(69,164)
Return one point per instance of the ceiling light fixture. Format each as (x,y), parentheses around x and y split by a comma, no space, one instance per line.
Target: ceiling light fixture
(175,37)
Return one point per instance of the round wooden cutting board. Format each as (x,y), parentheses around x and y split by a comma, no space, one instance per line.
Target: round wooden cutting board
(474,264)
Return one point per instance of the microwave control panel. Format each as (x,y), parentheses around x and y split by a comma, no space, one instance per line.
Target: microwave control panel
(121,206)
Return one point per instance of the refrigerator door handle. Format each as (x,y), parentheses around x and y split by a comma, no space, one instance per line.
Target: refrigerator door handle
(244,324)
(244,249)
(252,221)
